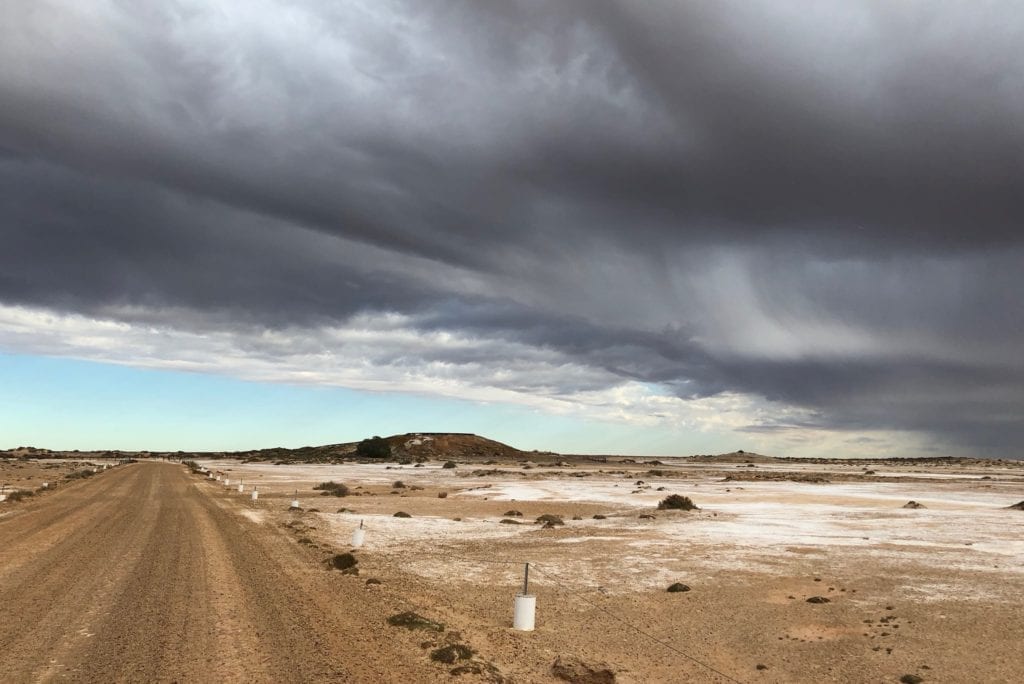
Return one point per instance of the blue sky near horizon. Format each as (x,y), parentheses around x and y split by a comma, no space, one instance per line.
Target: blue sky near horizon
(62,403)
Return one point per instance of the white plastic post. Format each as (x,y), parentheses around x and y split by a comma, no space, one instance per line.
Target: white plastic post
(295,503)
(524,609)
(227,481)
(524,613)
(255,494)
(46,485)
(358,536)
(241,487)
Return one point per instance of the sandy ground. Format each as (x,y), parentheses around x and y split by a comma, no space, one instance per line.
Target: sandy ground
(149,573)
(933,592)
(32,474)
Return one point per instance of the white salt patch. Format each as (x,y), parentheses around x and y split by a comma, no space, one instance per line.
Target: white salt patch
(255,516)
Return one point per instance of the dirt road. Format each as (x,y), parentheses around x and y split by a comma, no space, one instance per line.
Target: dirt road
(141,574)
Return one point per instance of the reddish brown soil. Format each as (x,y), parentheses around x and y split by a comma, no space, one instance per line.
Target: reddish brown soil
(138,575)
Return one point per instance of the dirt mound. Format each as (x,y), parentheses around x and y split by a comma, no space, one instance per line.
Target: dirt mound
(732,457)
(431,445)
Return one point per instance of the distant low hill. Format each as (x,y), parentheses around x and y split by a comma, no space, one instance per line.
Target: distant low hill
(411,445)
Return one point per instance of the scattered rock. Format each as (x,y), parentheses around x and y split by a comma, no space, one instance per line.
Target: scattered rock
(550,519)
(575,671)
(577,517)
(761,666)
(911,679)
(913,504)
(449,464)
(600,517)
(819,599)
(647,516)
(442,495)
(401,514)
(513,514)
(677,587)
(510,521)
(373,580)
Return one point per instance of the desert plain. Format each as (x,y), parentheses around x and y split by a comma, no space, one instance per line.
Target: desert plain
(157,571)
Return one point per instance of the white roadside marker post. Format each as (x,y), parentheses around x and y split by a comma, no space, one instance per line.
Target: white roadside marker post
(241,487)
(525,607)
(295,501)
(358,536)
(255,495)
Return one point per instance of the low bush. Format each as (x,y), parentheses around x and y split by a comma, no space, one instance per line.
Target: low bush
(402,514)
(19,494)
(550,519)
(343,561)
(449,464)
(675,502)
(450,654)
(332,488)
(411,620)
(374,447)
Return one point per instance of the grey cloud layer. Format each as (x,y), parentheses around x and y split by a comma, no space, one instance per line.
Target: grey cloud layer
(815,204)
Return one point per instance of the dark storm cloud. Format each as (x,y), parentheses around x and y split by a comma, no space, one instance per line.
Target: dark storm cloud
(816,204)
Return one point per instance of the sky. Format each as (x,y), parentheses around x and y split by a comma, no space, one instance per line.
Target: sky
(587,226)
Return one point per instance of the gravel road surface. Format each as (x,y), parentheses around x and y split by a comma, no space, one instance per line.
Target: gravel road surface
(141,574)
